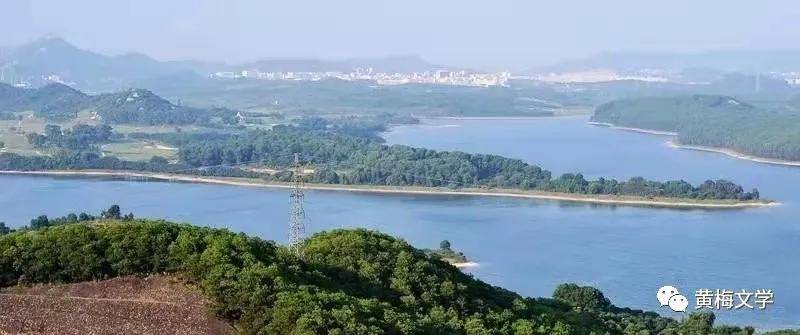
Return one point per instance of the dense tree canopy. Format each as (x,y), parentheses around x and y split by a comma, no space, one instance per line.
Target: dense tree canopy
(80,137)
(714,121)
(345,159)
(143,107)
(346,282)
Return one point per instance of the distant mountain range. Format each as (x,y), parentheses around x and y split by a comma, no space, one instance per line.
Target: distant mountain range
(747,61)
(54,59)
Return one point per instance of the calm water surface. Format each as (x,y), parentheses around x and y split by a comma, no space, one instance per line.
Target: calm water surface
(525,245)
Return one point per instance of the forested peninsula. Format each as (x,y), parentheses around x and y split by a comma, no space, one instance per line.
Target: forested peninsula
(336,156)
(712,121)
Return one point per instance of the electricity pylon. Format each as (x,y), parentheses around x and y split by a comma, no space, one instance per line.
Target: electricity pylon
(297,215)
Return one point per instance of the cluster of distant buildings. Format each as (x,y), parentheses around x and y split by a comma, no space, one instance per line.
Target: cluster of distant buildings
(467,78)
(9,76)
(597,76)
(439,77)
(645,75)
(442,77)
(793,78)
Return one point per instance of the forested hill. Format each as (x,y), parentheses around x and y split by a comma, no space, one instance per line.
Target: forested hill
(55,101)
(714,121)
(346,282)
(53,56)
(668,113)
(135,106)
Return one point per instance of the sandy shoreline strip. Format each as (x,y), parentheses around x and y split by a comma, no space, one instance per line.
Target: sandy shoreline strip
(608,200)
(465,265)
(734,154)
(638,130)
(521,117)
(672,143)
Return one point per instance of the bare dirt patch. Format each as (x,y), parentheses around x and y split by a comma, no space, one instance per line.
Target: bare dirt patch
(127,305)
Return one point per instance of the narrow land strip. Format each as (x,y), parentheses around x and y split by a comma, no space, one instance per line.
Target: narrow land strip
(674,144)
(638,130)
(734,154)
(510,193)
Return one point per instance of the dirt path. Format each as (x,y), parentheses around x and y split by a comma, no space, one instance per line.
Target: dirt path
(128,305)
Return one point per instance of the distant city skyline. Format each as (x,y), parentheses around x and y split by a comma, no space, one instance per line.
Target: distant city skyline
(498,35)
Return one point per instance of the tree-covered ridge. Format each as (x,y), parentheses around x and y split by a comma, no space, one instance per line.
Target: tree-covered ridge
(135,106)
(714,121)
(138,106)
(668,113)
(344,159)
(53,101)
(346,282)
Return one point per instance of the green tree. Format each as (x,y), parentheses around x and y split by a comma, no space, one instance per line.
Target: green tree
(40,222)
(562,328)
(444,245)
(701,323)
(158,160)
(112,212)
(523,327)
(581,297)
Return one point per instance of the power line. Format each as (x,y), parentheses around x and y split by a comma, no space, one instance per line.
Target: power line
(297,215)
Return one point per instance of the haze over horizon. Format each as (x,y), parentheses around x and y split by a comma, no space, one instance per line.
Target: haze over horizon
(499,35)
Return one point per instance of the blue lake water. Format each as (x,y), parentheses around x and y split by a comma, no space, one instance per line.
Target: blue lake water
(528,246)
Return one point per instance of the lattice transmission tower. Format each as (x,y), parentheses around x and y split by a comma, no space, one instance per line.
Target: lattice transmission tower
(297,215)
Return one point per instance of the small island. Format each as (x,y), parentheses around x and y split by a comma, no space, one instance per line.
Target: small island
(447,254)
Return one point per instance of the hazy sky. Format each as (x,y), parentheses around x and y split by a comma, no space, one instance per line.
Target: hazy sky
(485,34)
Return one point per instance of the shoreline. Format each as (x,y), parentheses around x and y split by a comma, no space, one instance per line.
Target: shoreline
(638,130)
(508,193)
(465,265)
(728,152)
(673,144)
(734,154)
(506,117)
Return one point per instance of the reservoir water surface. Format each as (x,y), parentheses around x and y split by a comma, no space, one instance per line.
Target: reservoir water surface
(528,246)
